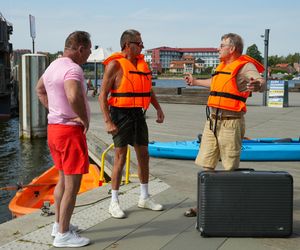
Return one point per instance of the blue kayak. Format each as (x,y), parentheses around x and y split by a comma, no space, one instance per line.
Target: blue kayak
(259,149)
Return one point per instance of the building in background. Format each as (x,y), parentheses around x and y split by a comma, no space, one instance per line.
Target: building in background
(16,58)
(188,64)
(297,67)
(6,83)
(160,58)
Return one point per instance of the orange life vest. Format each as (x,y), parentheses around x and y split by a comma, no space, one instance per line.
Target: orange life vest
(224,92)
(134,90)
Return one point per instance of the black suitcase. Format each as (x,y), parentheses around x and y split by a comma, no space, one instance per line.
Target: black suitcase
(245,203)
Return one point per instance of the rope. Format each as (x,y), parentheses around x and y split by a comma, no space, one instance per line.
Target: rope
(19,186)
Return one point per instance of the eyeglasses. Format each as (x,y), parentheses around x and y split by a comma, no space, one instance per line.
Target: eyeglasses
(224,45)
(140,44)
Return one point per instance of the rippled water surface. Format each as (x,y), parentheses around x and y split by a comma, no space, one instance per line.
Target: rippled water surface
(20,162)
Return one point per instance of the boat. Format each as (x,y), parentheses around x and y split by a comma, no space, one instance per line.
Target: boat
(257,149)
(31,198)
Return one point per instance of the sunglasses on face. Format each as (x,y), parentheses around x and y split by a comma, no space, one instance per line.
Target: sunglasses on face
(140,44)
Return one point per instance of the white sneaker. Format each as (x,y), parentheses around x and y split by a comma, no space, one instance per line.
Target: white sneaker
(149,203)
(56,227)
(115,210)
(70,239)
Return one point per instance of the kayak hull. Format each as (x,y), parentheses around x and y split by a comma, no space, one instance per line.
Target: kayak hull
(31,198)
(260,149)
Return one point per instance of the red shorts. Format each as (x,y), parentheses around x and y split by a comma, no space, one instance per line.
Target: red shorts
(68,148)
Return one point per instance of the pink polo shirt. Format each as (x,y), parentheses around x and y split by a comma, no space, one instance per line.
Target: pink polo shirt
(59,71)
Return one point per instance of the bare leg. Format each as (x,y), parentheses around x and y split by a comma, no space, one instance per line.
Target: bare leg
(142,156)
(58,194)
(120,158)
(72,185)
(116,177)
(208,169)
(192,212)
(145,201)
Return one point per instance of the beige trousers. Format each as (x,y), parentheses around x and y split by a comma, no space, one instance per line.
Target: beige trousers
(227,145)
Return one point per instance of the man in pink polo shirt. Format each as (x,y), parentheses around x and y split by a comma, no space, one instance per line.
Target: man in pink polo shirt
(61,90)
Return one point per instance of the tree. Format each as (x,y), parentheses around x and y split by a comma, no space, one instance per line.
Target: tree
(254,53)
(274,60)
(293,58)
(54,56)
(290,59)
(207,70)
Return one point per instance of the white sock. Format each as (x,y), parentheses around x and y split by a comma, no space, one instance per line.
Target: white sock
(144,191)
(63,234)
(56,224)
(115,195)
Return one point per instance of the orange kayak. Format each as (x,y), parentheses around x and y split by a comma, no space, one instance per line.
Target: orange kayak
(32,197)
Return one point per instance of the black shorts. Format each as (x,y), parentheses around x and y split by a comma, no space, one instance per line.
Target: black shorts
(132,126)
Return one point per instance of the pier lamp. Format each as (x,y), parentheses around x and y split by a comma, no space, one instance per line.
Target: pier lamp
(95,72)
(266,41)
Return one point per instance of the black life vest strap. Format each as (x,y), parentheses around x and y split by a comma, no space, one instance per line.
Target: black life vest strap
(131,94)
(140,73)
(227,95)
(220,72)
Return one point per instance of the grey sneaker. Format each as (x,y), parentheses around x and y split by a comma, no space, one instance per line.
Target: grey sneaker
(70,239)
(56,227)
(115,210)
(149,203)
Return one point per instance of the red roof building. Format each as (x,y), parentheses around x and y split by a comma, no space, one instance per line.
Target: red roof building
(160,58)
(188,64)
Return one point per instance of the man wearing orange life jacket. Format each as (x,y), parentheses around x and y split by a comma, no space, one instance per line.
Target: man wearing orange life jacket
(234,79)
(126,93)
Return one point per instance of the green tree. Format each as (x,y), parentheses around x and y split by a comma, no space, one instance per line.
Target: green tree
(254,52)
(54,56)
(207,70)
(290,59)
(273,60)
(293,58)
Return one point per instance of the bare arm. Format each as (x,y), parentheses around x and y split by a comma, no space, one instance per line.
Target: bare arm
(256,85)
(249,79)
(160,113)
(41,92)
(189,79)
(75,98)
(109,80)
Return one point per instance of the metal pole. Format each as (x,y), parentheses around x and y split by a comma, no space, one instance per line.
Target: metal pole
(34,115)
(32,46)
(266,36)
(96,74)
(96,77)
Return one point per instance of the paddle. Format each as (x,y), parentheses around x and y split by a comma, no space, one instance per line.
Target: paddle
(20,186)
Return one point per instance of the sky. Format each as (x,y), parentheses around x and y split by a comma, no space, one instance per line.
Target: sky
(172,23)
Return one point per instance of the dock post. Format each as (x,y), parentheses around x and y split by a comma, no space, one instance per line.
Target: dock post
(33,115)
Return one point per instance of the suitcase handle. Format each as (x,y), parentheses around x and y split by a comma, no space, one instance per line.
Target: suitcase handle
(244,169)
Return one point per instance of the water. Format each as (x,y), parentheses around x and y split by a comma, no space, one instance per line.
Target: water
(20,162)
(160,82)
(169,83)
(181,83)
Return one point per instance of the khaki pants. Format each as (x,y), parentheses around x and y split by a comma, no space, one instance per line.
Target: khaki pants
(226,147)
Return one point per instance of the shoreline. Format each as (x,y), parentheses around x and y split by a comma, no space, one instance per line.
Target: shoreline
(172,183)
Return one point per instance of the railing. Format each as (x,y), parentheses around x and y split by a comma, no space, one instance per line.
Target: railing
(127,173)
